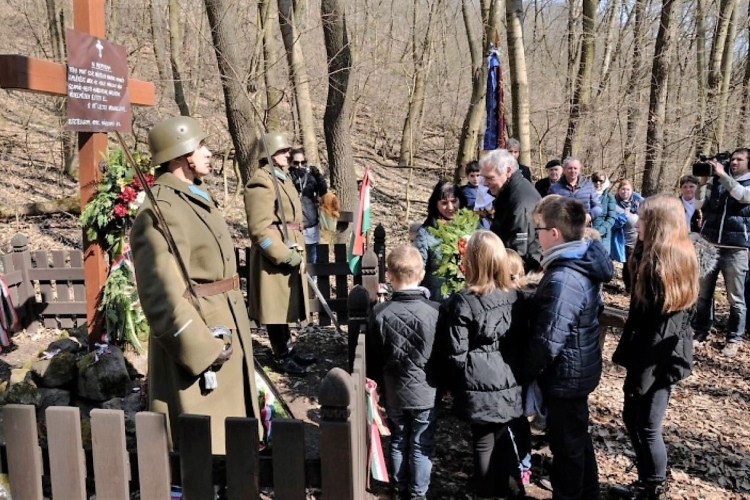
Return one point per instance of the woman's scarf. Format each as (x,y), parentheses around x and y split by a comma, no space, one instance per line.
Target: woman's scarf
(689,210)
(605,187)
(631,205)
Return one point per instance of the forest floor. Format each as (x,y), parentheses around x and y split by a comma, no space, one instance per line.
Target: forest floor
(706,429)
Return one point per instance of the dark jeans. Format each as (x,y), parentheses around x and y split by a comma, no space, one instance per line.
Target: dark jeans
(412,442)
(281,340)
(312,253)
(520,433)
(643,416)
(574,473)
(492,465)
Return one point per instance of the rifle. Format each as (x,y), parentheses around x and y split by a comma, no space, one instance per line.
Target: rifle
(183,268)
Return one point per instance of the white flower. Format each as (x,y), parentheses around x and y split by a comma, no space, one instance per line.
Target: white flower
(133,205)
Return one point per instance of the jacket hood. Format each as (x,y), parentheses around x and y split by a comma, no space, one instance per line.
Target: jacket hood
(589,258)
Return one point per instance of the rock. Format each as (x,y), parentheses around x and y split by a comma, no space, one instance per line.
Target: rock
(79,335)
(130,405)
(54,397)
(57,371)
(66,344)
(19,375)
(104,379)
(24,392)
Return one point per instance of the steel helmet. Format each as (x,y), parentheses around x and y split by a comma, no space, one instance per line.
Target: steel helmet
(276,141)
(174,137)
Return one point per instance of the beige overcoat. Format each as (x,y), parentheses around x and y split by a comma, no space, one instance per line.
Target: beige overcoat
(277,293)
(182,347)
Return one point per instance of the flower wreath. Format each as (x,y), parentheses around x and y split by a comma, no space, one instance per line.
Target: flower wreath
(107,218)
(453,237)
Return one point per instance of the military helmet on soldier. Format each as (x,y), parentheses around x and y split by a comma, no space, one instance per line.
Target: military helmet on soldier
(174,137)
(276,141)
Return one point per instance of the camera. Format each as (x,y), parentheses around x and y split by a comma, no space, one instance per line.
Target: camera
(702,168)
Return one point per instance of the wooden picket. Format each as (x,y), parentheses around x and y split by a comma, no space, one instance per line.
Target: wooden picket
(116,473)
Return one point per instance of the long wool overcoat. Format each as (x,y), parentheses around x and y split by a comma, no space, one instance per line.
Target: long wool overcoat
(182,347)
(276,292)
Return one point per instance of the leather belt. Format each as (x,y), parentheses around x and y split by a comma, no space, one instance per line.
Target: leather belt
(292,226)
(215,287)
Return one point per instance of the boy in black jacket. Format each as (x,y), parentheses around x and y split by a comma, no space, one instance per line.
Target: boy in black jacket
(400,337)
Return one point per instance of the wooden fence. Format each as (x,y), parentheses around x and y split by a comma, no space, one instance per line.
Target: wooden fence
(47,288)
(113,472)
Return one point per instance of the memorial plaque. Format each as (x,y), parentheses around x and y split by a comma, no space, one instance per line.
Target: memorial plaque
(98,99)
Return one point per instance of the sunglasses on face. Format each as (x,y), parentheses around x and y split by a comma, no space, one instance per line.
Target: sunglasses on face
(303,162)
(598,182)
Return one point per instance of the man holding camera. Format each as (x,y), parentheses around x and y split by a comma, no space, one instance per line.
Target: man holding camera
(725,200)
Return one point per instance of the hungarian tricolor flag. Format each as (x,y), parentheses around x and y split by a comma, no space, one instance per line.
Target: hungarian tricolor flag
(361,224)
(494,133)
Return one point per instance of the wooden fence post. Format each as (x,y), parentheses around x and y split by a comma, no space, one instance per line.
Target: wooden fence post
(26,295)
(336,453)
(379,247)
(370,273)
(358,306)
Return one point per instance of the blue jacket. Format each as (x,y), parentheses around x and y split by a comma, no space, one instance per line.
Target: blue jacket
(606,220)
(470,192)
(563,352)
(585,192)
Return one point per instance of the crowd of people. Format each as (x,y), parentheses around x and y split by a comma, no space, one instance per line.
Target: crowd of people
(522,338)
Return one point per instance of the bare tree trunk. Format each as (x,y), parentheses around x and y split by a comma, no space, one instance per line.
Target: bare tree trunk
(572,38)
(411,138)
(336,117)
(298,73)
(113,20)
(519,81)
(610,21)
(68,143)
(467,147)
(274,95)
(700,60)
(222,17)
(726,78)
(743,128)
(158,40)
(726,7)
(582,92)
(175,56)
(632,92)
(658,99)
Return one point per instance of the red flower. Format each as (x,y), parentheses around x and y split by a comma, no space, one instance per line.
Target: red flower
(121,210)
(127,194)
(149,179)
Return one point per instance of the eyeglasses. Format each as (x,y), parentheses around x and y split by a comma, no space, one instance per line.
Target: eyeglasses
(598,182)
(303,162)
(537,229)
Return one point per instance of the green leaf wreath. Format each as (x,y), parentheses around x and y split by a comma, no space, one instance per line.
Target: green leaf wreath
(452,237)
(107,218)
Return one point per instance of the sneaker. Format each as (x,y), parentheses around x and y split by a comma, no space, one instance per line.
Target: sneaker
(730,350)
(632,491)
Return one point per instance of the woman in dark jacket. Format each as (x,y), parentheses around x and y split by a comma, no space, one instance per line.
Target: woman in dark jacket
(606,220)
(446,199)
(656,347)
(475,338)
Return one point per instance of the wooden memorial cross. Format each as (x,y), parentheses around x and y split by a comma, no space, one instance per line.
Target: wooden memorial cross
(37,75)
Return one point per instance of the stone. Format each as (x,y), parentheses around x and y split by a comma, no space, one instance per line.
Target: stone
(54,397)
(57,371)
(19,375)
(105,378)
(130,405)
(24,392)
(65,344)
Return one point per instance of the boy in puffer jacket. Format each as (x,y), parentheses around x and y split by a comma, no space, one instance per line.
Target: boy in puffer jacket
(564,353)
(400,337)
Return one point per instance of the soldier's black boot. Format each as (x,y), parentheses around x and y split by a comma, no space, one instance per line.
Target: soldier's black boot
(304,358)
(290,367)
(655,491)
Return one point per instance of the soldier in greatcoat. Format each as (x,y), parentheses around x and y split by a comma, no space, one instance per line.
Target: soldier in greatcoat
(200,351)
(277,291)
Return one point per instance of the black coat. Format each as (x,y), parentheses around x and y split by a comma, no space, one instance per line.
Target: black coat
(655,348)
(513,221)
(563,351)
(400,338)
(476,338)
(311,185)
(542,186)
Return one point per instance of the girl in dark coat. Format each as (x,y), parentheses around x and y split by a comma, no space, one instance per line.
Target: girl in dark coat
(656,347)
(475,338)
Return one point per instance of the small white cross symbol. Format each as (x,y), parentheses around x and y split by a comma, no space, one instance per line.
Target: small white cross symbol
(99,47)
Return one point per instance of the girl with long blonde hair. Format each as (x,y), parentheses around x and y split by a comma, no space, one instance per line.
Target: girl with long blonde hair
(656,347)
(476,334)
